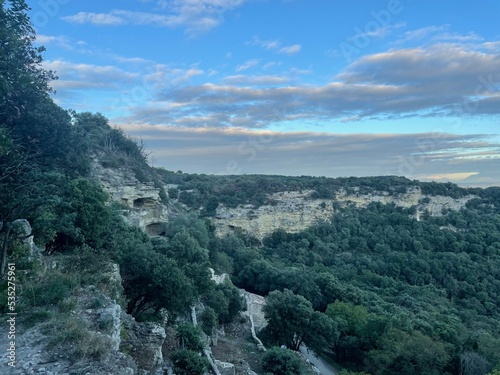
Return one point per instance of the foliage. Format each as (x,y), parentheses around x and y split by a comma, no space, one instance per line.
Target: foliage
(225,301)
(399,284)
(292,321)
(387,293)
(187,362)
(189,337)
(22,77)
(281,362)
(208,320)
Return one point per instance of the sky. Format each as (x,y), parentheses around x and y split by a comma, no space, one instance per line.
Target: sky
(290,87)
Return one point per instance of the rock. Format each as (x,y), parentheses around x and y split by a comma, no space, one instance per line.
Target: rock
(218,279)
(295,211)
(255,305)
(145,342)
(144,208)
(225,368)
(109,319)
(22,230)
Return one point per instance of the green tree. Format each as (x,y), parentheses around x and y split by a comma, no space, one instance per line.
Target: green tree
(208,320)
(351,321)
(281,362)
(292,321)
(187,362)
(411,353)
(189,337)
(22,78)
(153,281)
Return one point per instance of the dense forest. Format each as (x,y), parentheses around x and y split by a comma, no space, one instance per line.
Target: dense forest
(208,191)
(373,289)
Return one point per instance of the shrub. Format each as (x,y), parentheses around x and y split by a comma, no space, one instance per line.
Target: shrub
(281,362)
(208,320)
(189,337)
(187,362)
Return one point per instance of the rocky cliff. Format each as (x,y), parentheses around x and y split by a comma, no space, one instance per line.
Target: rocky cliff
(294,211)
(142,203)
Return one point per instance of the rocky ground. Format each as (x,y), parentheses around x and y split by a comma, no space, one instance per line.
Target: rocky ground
(237,346)
(33,358)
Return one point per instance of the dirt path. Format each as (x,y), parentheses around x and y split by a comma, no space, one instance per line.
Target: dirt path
(324,367)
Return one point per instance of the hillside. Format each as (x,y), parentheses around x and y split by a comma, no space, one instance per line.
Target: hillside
(399,265)
(114,267)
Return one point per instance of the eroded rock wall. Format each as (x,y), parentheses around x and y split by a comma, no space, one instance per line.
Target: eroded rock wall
(294,211)
(144,208)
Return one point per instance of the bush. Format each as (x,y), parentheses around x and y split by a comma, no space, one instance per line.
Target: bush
(189,337)
(187,362)
(281,362)
(208,320)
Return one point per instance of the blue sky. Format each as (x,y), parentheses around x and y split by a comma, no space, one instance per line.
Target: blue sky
(291,87)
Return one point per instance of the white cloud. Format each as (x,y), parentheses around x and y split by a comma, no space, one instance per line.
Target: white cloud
(275,44)
(380,32)
(439,80)
(131,60)
(85,76)
(247,65)
(455,37)
(419,34)
(196,16)
(271,64)
(255,80)
(291,50)
(95,18)
(266,44)
(46,39)
(58,40)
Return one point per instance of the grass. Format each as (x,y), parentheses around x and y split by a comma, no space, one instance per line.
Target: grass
(71,334)
(51,300)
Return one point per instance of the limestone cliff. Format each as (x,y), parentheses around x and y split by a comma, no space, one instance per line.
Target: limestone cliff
(144,208)
(294,211)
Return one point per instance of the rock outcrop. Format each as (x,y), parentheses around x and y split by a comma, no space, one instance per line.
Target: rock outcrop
(143,342)
(294,211)
(21,231)
(144,208)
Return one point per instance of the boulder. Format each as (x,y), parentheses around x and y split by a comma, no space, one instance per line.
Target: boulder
(225,368)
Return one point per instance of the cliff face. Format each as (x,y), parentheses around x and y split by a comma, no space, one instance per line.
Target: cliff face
(144,208)
(295,211)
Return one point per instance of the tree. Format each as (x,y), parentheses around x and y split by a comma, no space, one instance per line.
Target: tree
(189,337)
(225,300)
(473,364)
(152,282)
(23,196)
(22,79)
(208,320)
(281,362)
(413,353)
(187,362)
(351,321)
(292,321)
